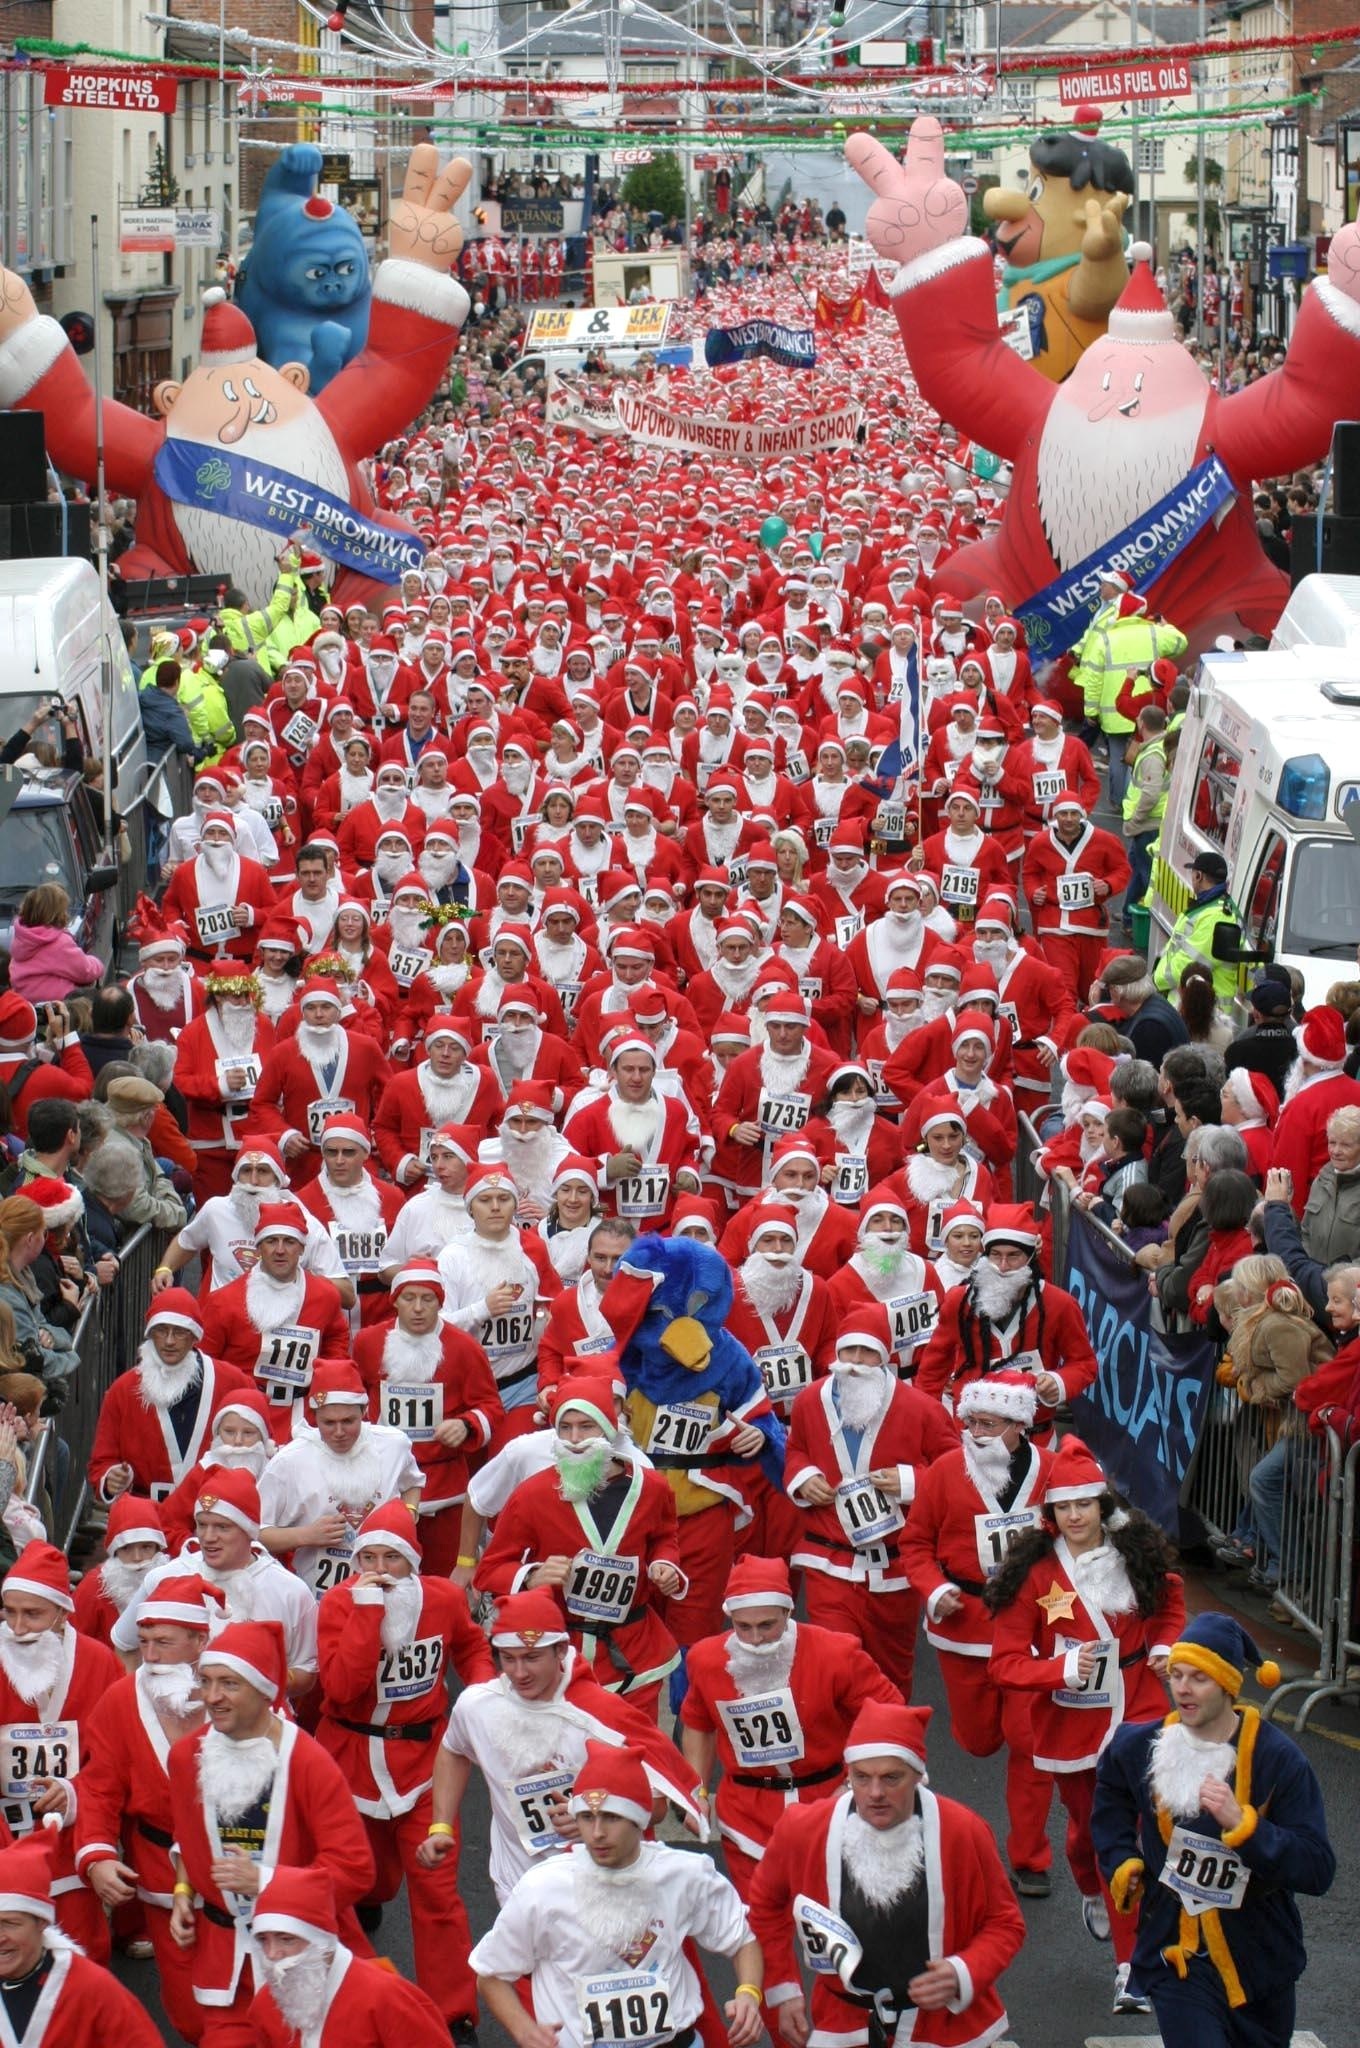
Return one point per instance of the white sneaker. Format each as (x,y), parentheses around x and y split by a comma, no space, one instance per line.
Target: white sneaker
(1095,1917)
(1124,1999)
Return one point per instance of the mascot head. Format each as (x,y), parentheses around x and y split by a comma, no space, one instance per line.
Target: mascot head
(1047,219)
(671,1292)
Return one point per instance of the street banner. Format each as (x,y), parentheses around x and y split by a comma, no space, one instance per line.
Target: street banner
(1055,618)
(577,407)
(239,487)
(794,347)
(756,440)
(146,230)
(839,315)
(1142,1416)
(598,326)
(1112,84)
(121,92)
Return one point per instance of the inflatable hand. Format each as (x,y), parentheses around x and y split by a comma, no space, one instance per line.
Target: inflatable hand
(1343,261)
(916,207)
(16,304)
(1102,227)
(423,227)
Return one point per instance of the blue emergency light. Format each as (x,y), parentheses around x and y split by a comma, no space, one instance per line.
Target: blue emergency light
(1304,783)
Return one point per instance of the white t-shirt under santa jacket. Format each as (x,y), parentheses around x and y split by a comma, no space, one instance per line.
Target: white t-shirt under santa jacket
(470,1268)
(491,1486)
(221,1233)
(306,1480)
(958,1534)
(543,1932)
(252,829)
(425,1224)
(263,1590)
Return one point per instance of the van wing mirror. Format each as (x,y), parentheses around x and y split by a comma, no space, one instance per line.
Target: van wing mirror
(99,879)
(1226,944)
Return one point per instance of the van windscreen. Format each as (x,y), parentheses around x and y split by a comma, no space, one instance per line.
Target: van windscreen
(1322,911)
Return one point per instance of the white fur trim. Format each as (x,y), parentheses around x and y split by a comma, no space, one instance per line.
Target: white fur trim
(286,1923)
(1342,308)
(243,1668)
(965,1977)
(420,290)
(41,1591)
(906,1480)
(614,1803)
(27,356)
(18,1902)
(934,263)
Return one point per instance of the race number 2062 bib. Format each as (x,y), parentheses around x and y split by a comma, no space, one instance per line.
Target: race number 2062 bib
(601,1589)
(765,1730)
(1205,1876)
(626,2008)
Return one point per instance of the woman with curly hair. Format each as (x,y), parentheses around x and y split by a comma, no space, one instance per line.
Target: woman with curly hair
(1087,1606)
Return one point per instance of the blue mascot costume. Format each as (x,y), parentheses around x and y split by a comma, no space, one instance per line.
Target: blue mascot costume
(691,1394)
(305,286)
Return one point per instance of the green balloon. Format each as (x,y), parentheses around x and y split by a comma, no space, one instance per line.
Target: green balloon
(815,543)
(985,464)
(773,531)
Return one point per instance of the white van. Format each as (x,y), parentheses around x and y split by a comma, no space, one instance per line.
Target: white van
(57,632)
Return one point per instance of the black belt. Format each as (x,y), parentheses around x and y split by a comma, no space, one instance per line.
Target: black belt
(1134,1657)
(370,1284)
(219,1918)
(854,1549)
(162,1837)
(522,1372)
(604,1629)
(680,1461)
(406,1731)
(770,1781)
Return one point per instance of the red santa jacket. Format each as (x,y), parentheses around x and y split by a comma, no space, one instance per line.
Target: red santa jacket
(1039,1007)
(926,1055)
(163,1026)
(1052,1338)
(1073,773)
(568,1337)
(958,1534)
(740,1099)
(211,937)
(1059,881)
(288,1101)
(84,2006)
(128,1432)
(87,1672)
(992,1128)
(125,1793)
(1301,1133)
(270,1361)
(461,1389)
(368,2006)
(648,1196)
(826,978)
(792,1348)
(365,1684)
(910,1433)
(913,1307)
(214,1124)
(361,1247)
(361,829)
(403,1116)
(825,1252)
(973,1920)
(965,879)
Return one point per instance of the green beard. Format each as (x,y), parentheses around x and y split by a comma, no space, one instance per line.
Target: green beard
(880,1257)
(581,1476)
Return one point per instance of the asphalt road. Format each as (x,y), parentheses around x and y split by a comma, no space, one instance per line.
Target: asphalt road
(1060,1970)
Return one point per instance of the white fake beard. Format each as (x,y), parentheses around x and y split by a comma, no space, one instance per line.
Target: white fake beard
(173,1687)
(852,1122)
(401,1612)
(352,1478)
(532,1161)
(270,1303)
(32,1666)
(638,849)
(736,983)
(246,1203)
(433,800)
(217,860)
(447,1098)
(517,776)
(988,1463)
(390,804)
(278,994)
(929,1180)
(319,1044)
(303,445)
(721,840)
(390,867)
(448,978)
(1101,477)
(235,1026)
(862,1394)
(161,1385)
(405,928)
(405,1357)
(886,1863)
(559,963)
(993,953)
(934,1003)
(164,985)
(783,1073)
(232,1776)
(297,1985)
(1303,1074)
(770,1288)
(436,869)
(1101,1576)
(896,1029)
(250,1458)
(846,881)
(762,1667)
(996,1294)
(528,1735)
(120,1581)
(615,1907)
(1179,1764)
(636,1125)
(357,1208)
(354,790)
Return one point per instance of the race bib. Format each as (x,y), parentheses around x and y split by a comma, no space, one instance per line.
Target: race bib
(360,1250)
(214,924)
(591,1347)
(1206,1877)
(601,1588)
(891,822)
(333,1566)
(1076,892)
(822,830)
(273,812)
(959,885)
(683,1428)
(785,1368)
(248,1067)
(518,828)
(427,1132)
(866,1514)
(532,1799)
(410,1672)
(830,1946)
(1049,784)
(569,995)
(996,1533)
(912,1317)
(764,1731)
(737,871)
(39,1749)
(415,1406)
(1011,1015)
(320,1113)
(848,928)
(510,1332)
(300,731)
(779,1114)
(796,766)
(1098,1690)
(406,962)
(810,987)
(624,2006)
(645,1193)
(852,1178)
(287,1356)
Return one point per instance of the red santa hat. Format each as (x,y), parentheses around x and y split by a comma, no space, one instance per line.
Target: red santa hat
(449,1027)
(298,1901)
(348,1126)
(962,1211)
(575,1167)
(260,1148)
(1321,1038)
(175,1309)
(280,1219)
(1256,1097)
(256,1651)
(417,1273)
(880,1201)
(524,1621)
(587,1395)
(881,1730)
(228,336)
(1140,313)
(133,1519)
(394,1527)
(316,990)
(222,818)
(902,983)
(613,1781)
(247,1406)
(1011,1223)
(1075,1473)
(460,1138)
(973,1026)
(731,1027)
(1087,1068)
(59,1202)
(233,1495)
(938,1118)
(185,1599)
(26,1878)
(788,1007)
(774,1215)
(336,1383)
(42,1570)
(532,1098)
(1010,1394)
(758,1582)
(491,1176)
(866,1322)
(695,1216)
(797,1145)
(996,911)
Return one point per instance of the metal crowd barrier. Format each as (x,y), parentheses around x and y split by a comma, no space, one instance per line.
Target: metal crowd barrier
(1318,1569)
(1028,1183)
(107,1338)
(1232,1438)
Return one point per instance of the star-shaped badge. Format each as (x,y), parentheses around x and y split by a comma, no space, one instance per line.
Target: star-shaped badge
(1059,1603)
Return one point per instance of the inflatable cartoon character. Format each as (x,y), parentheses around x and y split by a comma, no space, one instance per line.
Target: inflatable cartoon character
(1063,241)
(304,287)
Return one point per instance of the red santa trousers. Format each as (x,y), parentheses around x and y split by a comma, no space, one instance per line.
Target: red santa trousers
(1077,1790)
(775,1525)
(982,1715)
(212,1172)
(886,1623)
(175,1968)
(707,1545)
(439,1534)
(1077,959)
(80,1915)
(440,1935)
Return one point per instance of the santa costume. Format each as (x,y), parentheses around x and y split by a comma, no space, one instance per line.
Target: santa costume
(327,1995)
(157,1418)
(79,2003)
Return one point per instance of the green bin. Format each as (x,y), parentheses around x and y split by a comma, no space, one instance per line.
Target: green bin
(1140,918)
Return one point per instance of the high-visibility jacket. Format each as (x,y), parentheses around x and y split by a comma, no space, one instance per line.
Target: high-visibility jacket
(1106,653)
(1192,942)
(205,707)
(1148,774)
(249,632)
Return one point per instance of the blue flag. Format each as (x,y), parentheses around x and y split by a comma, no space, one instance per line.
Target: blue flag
(1055,618)
(794,347)
(239,487)
(903,755)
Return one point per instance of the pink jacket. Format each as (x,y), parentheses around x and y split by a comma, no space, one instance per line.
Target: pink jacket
(46,964)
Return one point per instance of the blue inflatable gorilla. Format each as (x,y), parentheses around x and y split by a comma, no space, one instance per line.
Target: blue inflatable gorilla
(304,285)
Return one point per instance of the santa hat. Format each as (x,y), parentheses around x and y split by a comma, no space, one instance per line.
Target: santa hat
(758,1582)
(317,990)
(938,1118)
(280,1219)
(347,1126)
(695,1216)
(176,1309)
(902,983)
(999,1393)
(524,1621)
(227,335)
(393,1526)
(974,1027)
(1131,606)
(577,1168)
(532,1098)
(234,1496)
(298,1901)
(796,1145)
(1321,1037)
(1070,801)
(185,1599)
(1140,312)
(256,1651)
(996,910)
(222,818)
(1011,1223)
(42,1570)
(866,1322)
(613,1781)
(587,1396)
(1255,1096)
(1087,1068)
(460,1138)
(59,1202)
(730,1026)
(248,1406)
(18,1022)
(417,1273)
(448,1027)
(490,1177)
(260,1148)
(774,1215)
(1218,1645)
(133,1519)
(336,1384)
(883,1200)
(1075,1473)
(881,1730)
(26,1878)
(962,1211)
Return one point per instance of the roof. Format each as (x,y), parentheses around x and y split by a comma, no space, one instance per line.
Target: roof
(1034,27)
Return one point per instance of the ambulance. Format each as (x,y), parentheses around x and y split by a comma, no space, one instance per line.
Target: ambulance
(1267,773)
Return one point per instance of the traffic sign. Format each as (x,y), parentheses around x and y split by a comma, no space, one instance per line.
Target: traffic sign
(968,183)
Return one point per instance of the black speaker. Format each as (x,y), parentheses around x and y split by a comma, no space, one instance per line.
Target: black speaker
(28,532)
(23,458)
(1346,468)
(1340,546)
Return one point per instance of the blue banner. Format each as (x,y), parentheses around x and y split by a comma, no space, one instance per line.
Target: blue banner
(1055,618)
(239,487)
(794,347)
(1142,1416)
